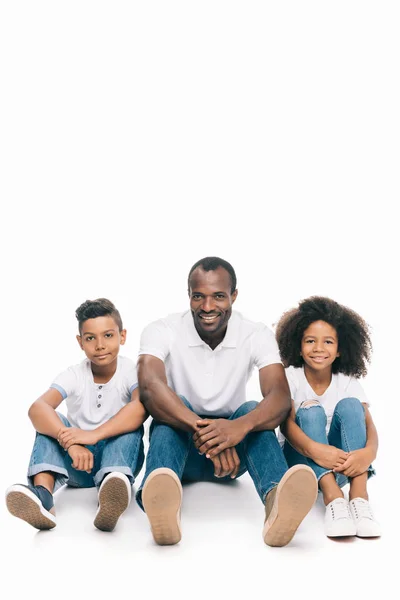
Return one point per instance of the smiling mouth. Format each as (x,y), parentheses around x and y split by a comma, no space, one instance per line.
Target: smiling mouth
(102,356)
(208,318)
(319,358)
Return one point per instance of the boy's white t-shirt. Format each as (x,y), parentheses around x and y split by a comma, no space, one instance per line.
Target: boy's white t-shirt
(341,386)
(91,404)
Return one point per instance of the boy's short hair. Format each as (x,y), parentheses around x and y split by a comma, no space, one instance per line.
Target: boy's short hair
(101,307)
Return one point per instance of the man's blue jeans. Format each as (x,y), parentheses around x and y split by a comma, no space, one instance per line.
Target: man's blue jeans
(123,453)
(259,452)
(348,432)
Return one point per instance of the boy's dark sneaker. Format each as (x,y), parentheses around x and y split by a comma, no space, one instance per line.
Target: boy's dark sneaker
(33,504)
(114,499)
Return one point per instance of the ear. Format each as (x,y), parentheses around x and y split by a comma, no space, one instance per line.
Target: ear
(78,337)
(338,354)
(234,296)
(122,336)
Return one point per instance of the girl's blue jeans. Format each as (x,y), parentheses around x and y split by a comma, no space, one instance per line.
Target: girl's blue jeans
(123,453)
(348,432)
(260,454)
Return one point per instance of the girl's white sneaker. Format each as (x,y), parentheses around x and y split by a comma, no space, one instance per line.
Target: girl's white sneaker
(338,519)
(364,520)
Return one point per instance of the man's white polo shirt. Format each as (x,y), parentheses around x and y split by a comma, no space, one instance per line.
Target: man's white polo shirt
(213,381)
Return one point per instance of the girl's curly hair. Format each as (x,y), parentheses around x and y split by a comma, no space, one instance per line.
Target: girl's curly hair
(353,334)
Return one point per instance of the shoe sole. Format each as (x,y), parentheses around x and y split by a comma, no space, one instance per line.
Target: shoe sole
(114,499)
(22,503)
(162,499)
(295,496)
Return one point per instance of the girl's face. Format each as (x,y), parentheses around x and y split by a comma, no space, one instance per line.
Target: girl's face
(319,346)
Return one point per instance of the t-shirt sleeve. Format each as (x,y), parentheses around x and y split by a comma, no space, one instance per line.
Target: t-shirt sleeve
(65,382)
(291,379)
(156,340)
(265,348)
(354,389)
(130,375)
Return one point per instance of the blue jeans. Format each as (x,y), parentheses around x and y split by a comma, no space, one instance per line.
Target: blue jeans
(259,452)
(123,453)
(348,432)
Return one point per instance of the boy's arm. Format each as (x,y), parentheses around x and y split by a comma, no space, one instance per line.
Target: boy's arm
(43,415)
(129,418)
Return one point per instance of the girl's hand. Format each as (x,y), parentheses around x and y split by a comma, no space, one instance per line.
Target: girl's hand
(327,456)
(67,436)
(356,463)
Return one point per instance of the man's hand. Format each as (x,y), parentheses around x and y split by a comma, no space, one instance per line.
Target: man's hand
(327,456)
(215,435)
(226,463)
(67,436)
(356,463)
(82,458)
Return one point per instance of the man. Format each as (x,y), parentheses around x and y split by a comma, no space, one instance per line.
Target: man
(192,371)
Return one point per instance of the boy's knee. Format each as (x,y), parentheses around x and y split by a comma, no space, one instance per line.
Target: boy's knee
(348,406)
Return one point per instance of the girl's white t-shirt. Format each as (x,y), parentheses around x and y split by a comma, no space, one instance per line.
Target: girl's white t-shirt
(341,386)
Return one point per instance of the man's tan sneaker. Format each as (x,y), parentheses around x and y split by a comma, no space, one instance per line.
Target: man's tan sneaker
(291,500)
(162,499)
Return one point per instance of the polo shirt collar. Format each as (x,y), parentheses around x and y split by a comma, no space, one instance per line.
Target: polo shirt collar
(193,338)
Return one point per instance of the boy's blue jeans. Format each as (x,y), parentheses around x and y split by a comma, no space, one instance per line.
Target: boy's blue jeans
(259,452)
(348,432)
(123,453)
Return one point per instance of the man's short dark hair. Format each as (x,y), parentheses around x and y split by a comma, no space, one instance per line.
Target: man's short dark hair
(211,263)
(90,309)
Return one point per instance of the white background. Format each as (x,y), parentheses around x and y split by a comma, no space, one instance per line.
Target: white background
(138,137)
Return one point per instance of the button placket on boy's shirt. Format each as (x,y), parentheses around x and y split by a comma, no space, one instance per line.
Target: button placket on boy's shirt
(99,396)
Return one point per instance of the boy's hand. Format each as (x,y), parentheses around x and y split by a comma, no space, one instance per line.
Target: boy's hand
(67,436)
(356,463)
(327,456)
(226,463)
(82,458)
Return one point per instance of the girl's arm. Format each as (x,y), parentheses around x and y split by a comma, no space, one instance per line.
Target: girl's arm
(372,434)
(324,455)
(43,415)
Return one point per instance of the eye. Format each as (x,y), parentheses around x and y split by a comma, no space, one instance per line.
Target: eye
(309,341)
(196,297)
(89,338)
(219,296)
(108,335)
(329,342)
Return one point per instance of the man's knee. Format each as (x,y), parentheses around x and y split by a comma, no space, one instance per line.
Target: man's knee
(245,408)
(186,402)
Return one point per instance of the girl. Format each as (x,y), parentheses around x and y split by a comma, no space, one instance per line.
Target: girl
(325,348)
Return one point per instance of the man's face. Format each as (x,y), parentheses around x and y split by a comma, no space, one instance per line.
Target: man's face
(211,301)
(100,340)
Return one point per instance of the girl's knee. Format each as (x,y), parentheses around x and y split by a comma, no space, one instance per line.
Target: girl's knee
(349,406)
(311,411)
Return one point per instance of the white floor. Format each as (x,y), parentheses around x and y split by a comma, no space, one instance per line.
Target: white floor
(221,552)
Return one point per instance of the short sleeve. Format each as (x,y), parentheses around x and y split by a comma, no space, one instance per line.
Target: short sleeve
(291,379)
(65,382)
(156,340)
(354,389)
(265,348)
(130,375)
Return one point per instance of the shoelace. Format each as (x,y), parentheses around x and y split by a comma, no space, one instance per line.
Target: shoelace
(362,509)
(340,510)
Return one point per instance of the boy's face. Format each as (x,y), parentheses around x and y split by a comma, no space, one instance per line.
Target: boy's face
(100,340)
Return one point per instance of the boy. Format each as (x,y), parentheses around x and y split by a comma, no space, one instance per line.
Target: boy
(100,441)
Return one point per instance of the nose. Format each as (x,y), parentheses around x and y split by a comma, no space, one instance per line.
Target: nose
(318,347)
(100,344)
(208,304)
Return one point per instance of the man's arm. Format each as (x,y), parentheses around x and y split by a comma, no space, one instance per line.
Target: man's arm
(219,434)
(129,418)
(158,399)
